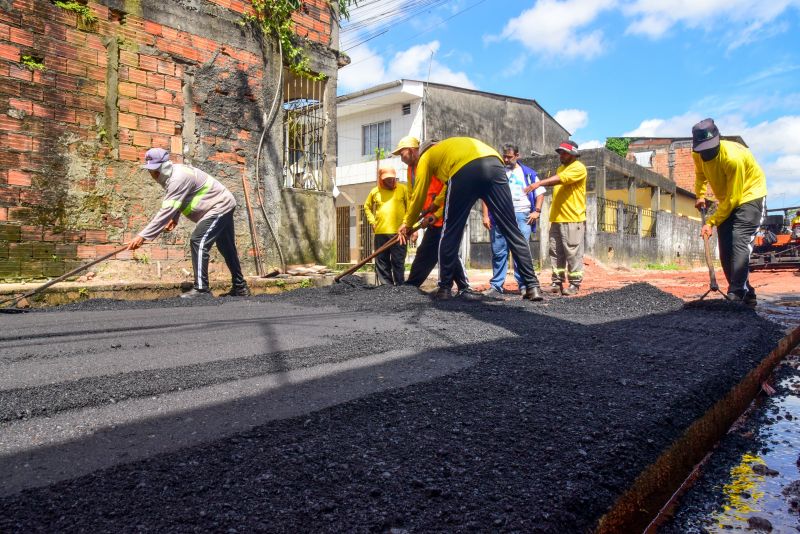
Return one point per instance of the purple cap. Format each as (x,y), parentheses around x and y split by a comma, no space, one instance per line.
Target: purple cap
(154,158)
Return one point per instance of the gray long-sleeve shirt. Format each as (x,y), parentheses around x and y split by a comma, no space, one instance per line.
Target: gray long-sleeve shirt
(192,192)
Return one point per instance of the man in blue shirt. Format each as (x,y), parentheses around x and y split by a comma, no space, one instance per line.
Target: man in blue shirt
(527,208)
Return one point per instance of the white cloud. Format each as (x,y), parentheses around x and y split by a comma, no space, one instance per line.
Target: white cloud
(679,126)
(365,69)
(572,119)
(743,21)
(594,143)
(368,69)
(558,28)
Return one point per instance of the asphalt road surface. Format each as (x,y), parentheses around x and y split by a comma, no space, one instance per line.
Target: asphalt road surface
(352,409)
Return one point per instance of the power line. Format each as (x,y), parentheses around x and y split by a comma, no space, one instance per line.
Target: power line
(423,32)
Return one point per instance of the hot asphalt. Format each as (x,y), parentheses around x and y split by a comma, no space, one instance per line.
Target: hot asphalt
(353,409)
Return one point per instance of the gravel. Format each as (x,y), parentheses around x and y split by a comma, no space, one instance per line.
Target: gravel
(569,401)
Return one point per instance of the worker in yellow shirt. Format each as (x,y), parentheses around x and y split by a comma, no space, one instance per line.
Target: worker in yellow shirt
(738,181)
(385,209)
(471,170)
(567,219)
(794,226)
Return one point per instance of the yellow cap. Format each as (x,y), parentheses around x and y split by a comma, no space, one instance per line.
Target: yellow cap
(408,141)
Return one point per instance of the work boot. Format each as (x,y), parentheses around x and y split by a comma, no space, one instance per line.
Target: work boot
(533,293)
(492,293)
(469,294)
(736,297)
(194,293)
(443,293)
(750,299)
(242,291)
(571,290)
(556,288)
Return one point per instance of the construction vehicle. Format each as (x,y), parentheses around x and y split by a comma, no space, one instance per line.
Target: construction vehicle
(777,243)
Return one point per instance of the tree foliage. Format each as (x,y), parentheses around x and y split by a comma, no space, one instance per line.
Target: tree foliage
(275,19)
(618,145)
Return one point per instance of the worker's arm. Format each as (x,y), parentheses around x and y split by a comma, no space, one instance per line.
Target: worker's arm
(169,213)
(537,208)
(547,182)
(700,181)
(368,208)
(422,182)
(487,221)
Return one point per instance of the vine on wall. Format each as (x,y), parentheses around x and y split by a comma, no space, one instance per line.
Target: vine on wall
(274,17)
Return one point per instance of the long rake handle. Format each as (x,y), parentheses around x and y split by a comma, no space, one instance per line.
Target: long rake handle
(63,276)
(711,274)
(382,248)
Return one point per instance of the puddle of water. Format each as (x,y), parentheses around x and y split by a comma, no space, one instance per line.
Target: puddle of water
(755,486)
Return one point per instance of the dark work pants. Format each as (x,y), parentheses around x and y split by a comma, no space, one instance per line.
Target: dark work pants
(426,258)
(219,230)
(485,179)
(390,265)
(735,236)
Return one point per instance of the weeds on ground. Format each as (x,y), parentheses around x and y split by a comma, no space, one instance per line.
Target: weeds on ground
(659,266)
(306,282)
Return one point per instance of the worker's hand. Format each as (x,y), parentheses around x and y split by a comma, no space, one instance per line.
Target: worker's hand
(529,188)
(413,237)
(402,233)
(533,217)
(699,204)
(135,243)
(707,231)
(487,223)
(170,225)
(427,221)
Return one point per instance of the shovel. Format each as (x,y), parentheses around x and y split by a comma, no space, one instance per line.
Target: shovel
(712,286)
(389,244)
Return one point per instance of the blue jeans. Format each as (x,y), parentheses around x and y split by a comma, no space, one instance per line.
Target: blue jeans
(500,253)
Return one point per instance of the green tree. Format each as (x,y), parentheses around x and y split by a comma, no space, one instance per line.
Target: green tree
(618,145)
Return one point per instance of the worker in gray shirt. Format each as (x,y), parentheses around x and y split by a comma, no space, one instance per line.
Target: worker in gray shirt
(203,200)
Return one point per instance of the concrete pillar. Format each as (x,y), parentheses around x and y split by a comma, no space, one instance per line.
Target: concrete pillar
(620,217)
(591,224)
(655,198)
(664,237)
(600,181)
(354,234)
(544,232)
(673,204)
(632,191)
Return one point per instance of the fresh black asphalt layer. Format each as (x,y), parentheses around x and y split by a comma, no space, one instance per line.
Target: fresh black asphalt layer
(566,403)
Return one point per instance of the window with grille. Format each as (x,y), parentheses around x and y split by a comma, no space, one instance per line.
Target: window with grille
(303,127)
(376,136)
(406,109)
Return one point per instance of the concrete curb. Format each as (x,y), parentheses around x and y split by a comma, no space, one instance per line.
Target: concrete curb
(656,486)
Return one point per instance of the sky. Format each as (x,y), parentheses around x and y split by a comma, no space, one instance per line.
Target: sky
(605,68)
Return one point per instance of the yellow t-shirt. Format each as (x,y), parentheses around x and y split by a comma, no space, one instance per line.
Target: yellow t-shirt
(569,197)
(385,208)
(734,176)
(443,160)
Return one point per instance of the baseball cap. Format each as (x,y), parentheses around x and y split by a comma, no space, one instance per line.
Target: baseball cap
(570,147)
(426,145)
(154,157)
(705,135)
(408,141)
(386,172)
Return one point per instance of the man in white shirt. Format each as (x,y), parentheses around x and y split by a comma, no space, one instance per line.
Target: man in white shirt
(527,208)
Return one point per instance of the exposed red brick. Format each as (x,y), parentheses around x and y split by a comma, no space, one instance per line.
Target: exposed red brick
(165,67)
(173,113)
(176,144)
(166,127)
(148,63)
(16,177)
(137,76)
(9,52)
(19,36)
(23,105)
(152,28)
(128,58)
(146,93)
(3,214)
(87,252)
(156,81)
(16,141)
(155,110)
(142,139)
(127,120)
(128,153)
(20,73)
(96,236)
(127,89)
(164,97)
(146,124)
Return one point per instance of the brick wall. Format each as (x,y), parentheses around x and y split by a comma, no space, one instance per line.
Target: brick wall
(682,172)
(74,133)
